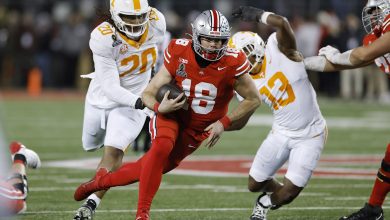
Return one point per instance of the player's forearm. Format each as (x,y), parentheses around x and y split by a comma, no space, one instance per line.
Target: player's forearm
(240,123)
(149,100)
(245,107)
(108,78)
(284,32)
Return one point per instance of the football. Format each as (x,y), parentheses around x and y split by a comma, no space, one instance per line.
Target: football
(175,91)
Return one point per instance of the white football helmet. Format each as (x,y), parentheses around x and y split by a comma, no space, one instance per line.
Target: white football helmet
(251,44)
(210,24)
(374,13)
(130,16)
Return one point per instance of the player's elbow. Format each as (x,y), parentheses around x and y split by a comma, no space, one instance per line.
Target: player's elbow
(256,101)
(281,22)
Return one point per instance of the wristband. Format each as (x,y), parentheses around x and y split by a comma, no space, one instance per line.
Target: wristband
(155,107)
(264,16)
(225,121)
(139,104)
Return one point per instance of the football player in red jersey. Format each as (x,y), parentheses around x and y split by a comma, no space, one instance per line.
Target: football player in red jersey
(208,73)
(14,190)
(376,48)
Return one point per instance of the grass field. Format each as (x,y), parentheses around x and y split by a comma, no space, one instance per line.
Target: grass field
(52,126)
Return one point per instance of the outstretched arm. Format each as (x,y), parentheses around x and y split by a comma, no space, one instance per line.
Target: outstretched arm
(284,33)
(379,47)
(332,60)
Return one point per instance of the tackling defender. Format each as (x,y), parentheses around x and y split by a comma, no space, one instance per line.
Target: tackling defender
(124,51)
(208,73)
(376,48)
(14,189)
(299,131)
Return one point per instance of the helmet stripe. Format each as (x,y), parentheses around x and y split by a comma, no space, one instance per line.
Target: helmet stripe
(214,15)
(137,5)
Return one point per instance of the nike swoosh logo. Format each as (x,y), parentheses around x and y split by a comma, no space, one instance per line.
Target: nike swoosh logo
(190,146)
(379,217)
(221,68)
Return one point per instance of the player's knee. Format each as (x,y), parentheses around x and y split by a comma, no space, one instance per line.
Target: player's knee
(89,146)
(172,164)
(254,186)
(113,154)
(162,146)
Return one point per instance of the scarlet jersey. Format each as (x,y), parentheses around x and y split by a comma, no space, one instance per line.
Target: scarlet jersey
(12,200)
(382,62)
(209,89)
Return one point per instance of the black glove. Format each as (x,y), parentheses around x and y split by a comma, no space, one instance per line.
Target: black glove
(248,13)
(139,104)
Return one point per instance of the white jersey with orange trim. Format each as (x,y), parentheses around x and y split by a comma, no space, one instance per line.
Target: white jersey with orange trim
(284,86)
(123,66)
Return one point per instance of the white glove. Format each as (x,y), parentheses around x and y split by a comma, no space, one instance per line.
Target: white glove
(329,52)
(334,56)
(148,112)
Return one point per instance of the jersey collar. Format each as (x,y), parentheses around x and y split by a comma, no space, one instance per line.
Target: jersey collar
(133,43)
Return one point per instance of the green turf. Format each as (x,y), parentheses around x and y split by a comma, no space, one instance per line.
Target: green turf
(53,129)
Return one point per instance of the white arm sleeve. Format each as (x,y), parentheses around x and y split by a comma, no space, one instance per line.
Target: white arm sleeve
(108,78)
(315,63)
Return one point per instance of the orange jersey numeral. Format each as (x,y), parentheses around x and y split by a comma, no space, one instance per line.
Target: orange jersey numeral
(285,87)
(136,60)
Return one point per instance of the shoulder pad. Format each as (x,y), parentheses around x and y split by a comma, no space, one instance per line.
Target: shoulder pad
(157,20)
(101,42)
(177,46)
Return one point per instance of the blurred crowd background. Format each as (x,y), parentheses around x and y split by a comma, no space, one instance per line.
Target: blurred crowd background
(49,38)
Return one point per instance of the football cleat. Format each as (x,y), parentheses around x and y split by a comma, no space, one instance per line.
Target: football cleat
(368,212)
(143,215)
(86,211)
(86,189)
(32,159)
(259,211)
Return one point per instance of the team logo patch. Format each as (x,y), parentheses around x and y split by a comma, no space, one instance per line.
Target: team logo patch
(181,60)
(181,70)
(124,49)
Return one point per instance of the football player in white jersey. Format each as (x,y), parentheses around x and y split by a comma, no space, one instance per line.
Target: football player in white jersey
(376,21)
(124,51)
(299,131)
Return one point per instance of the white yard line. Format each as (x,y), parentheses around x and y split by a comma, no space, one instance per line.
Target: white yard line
(202,210)
(332,122)
(215,188)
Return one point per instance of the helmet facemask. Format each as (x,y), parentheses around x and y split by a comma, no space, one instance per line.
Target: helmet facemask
(132,25)
(130,17)
(374,13)
(252,46)
(208,53)
(254,54)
